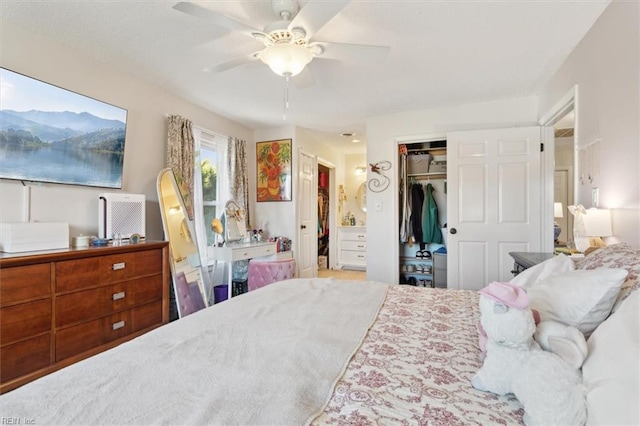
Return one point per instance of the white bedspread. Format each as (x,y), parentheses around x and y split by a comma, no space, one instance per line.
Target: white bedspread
(269,357)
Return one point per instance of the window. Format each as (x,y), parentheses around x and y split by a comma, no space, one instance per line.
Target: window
(210,183)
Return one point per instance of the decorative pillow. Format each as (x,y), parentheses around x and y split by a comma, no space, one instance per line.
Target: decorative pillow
(556,265)
(582,299)
(611,371)
(616,256)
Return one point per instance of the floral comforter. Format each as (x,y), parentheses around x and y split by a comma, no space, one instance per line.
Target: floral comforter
(415,367)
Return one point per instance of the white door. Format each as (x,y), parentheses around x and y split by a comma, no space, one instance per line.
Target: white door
(493,201)
(307,216)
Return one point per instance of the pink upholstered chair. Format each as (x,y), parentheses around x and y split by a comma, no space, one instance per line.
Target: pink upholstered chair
(264,272)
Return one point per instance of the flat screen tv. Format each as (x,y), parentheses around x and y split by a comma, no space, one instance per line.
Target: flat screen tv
(50,134)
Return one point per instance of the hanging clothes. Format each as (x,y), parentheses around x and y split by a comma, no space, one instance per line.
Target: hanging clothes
(430,222)
(405,202)
(417,201)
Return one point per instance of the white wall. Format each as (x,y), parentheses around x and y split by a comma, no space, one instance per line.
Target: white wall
(145,148)
(279,218)
(383,134)
(606,68)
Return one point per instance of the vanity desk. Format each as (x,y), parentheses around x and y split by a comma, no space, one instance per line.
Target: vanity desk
(232,252)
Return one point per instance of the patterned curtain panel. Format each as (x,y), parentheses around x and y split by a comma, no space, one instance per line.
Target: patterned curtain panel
(238,178)
(180,157)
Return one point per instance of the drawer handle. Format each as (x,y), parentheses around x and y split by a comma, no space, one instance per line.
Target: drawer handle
(118,296)
(360,256)
(118,325)
(361,246)
(118,266)
(361,236)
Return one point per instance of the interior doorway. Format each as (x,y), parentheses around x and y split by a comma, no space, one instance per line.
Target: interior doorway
(326,206)
(324,230)
(563,178)
(561,125)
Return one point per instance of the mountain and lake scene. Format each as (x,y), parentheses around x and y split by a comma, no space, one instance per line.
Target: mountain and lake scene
(82,142)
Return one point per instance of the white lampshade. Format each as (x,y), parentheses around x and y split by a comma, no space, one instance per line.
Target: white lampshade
(597,223)
(557,210)
(286,58)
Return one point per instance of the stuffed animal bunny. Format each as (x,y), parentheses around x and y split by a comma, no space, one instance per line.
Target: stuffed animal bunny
(550,390)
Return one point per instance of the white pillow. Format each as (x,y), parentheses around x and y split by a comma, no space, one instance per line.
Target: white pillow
(611,371)
(582,299)
(556,265)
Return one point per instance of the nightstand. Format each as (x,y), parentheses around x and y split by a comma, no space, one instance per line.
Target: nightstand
(524,260)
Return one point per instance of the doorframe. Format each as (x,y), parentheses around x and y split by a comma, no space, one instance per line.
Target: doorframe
(567,103)
(298,216)
(403,140)
(333,196)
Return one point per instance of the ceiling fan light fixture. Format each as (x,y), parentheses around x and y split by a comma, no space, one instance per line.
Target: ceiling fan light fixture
(286,59)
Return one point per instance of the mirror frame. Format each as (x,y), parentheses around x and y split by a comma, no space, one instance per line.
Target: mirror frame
(190,284)
(235,227)
(361,196)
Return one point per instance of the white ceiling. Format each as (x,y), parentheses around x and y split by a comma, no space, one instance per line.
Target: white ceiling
(441,53)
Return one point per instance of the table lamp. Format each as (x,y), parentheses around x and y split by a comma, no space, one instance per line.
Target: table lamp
(557,212)
(597,223)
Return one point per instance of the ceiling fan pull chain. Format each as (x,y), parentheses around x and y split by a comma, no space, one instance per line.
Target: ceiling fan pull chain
(286,97)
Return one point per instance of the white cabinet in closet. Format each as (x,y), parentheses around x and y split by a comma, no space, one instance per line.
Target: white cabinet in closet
(352,247)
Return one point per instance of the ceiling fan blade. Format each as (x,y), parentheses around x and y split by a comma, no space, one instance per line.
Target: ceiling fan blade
(213,17)
(242,60)
(364,53)
(304,79)
(315,14)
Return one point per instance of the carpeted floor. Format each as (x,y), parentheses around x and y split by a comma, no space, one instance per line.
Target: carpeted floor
(343,274)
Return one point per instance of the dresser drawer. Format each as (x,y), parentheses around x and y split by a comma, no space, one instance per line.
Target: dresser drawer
(21,283)
(82,337)
(353,235)
(76,274)
(97,302)
(355,257)
(119,267)
(146,316)
(25,357)
(19,322)
(259,251)
(354,245)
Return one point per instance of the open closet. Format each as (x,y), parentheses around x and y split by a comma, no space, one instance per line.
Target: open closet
(323,216)
(423,213)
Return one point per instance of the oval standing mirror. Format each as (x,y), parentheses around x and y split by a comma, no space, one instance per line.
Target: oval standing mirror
(361,196)
(186,269)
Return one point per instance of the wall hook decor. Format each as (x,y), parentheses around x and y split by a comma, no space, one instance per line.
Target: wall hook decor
(381,182)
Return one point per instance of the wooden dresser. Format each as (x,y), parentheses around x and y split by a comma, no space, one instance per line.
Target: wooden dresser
(59,307)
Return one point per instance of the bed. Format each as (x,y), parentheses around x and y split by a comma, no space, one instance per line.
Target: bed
(318,351)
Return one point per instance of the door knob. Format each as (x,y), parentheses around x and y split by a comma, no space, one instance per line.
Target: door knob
(303,226)
(453,231)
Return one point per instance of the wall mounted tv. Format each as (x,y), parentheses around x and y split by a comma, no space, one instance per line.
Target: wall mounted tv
(50,134)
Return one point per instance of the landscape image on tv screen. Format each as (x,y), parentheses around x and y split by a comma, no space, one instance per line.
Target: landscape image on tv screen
(50,134)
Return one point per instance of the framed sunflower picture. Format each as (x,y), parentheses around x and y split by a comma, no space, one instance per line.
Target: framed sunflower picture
(273,160)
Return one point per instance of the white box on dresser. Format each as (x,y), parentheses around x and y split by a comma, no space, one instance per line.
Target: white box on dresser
(17,237)
(352,247)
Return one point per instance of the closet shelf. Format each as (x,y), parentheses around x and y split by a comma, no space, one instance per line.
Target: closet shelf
(428,175)
(420,259)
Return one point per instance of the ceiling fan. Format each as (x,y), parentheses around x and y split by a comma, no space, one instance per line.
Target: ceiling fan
(289,44)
